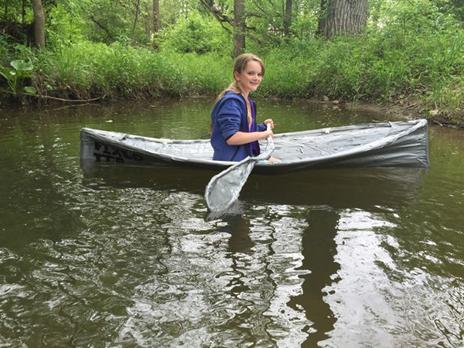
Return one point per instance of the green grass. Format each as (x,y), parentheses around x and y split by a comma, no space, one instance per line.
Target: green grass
(88,70)
(379,67)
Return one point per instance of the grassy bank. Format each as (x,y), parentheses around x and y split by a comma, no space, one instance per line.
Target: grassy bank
(417,70)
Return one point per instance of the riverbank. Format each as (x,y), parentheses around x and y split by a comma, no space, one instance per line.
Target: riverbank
(411,109)
(401,78)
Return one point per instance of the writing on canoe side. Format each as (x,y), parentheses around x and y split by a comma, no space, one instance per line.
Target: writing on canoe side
(108,153)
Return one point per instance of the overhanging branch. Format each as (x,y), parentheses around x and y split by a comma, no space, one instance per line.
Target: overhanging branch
(222,18)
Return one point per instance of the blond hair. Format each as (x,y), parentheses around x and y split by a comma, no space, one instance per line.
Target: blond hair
(240,64)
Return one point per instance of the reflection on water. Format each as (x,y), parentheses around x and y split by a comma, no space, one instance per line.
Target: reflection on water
(339,188)
(319,249)
(124,256)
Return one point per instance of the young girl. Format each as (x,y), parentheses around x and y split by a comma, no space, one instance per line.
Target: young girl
(235,133)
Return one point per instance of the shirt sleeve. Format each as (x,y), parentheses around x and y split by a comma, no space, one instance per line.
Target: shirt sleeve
(229,118)
(261,127)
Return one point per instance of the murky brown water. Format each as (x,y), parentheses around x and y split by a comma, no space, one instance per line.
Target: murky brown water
(128,257)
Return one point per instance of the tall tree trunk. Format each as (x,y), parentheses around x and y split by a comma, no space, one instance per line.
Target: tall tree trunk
(39,23)
(136,16)
(23,11)
(239,27)
(342,17)
(287,17)
(156,16)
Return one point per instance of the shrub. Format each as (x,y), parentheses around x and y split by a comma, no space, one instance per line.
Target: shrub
(195,34)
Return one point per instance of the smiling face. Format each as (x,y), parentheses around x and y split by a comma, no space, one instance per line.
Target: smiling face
(250,77)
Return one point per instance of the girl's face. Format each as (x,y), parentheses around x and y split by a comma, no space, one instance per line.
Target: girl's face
(250,78)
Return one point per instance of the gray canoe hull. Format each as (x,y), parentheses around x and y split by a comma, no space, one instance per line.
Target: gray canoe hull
(390,144)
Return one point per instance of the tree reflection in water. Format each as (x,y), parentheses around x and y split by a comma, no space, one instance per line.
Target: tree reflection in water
(319,250)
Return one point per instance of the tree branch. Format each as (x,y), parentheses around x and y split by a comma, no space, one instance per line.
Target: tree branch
(102,27)
(223,19)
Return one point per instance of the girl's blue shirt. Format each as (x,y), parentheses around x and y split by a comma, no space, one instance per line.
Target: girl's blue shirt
(229,116)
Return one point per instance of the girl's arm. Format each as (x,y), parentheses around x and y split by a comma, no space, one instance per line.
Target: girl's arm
(240,138)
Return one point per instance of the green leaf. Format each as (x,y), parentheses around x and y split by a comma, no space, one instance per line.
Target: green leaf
(30,90)
(4,74)
(21,65)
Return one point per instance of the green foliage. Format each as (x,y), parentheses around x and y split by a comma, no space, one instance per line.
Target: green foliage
(197,34)
(205,74)
(289,69)
(424,61)
(412,49)
(64,26)
(419,52)
(12,10)
(4,48)
(15,75)
(16,67)
(172,10)
(87,69)
(304,26)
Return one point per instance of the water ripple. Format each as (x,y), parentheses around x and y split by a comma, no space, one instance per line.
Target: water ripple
(129,257)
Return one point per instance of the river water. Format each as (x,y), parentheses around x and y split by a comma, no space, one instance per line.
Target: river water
(124,257)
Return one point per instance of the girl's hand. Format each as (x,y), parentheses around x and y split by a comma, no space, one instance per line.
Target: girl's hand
(267,133)
(269,120)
